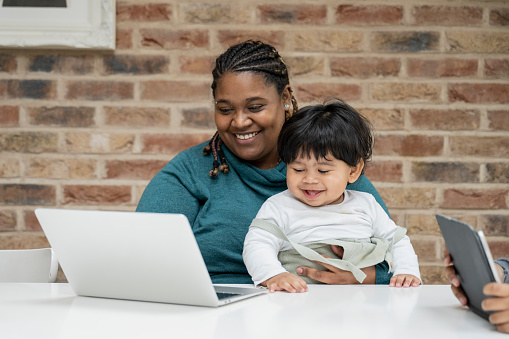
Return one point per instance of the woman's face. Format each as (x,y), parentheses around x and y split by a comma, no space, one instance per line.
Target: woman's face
(249,114)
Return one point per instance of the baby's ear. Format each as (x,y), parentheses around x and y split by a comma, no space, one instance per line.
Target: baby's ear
(355,171)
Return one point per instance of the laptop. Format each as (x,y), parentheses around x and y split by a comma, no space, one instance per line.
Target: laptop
(472,260)
(135,256)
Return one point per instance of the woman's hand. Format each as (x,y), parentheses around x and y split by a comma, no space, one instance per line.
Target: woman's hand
(499,304)
(286,282)
(450,274)
(334,275)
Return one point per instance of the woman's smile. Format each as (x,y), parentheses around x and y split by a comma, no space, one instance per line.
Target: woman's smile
(246,136)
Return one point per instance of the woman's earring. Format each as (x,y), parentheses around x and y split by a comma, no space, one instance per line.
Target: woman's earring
(286,106)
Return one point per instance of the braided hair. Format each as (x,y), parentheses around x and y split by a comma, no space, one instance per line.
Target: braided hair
(248,56)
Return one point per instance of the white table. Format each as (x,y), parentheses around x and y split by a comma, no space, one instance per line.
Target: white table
(54,311)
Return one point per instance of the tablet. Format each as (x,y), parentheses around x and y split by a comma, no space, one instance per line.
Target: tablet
(472,260)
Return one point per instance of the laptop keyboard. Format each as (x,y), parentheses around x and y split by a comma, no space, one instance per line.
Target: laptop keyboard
(222,295)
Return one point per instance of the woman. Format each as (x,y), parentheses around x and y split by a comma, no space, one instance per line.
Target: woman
(220,185)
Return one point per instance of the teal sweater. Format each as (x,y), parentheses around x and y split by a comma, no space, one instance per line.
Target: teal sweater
(220,210)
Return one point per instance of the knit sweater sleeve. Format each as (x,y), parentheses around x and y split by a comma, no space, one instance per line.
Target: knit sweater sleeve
(504,264)
(170,190)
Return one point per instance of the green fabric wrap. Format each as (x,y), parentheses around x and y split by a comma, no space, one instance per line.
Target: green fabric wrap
(357,254)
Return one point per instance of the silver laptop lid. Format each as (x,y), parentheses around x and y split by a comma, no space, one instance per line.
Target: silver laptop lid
(128,255)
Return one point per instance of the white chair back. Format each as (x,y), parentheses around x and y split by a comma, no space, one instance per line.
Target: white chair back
(34,265)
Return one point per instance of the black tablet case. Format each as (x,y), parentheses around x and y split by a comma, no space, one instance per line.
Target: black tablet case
(470,261)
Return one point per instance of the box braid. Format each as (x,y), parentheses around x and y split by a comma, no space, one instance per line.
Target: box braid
(248,56)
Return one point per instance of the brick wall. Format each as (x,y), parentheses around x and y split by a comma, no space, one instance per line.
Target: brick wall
(88,129)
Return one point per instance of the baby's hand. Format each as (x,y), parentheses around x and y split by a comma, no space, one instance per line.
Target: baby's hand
(404,280)
(286,282)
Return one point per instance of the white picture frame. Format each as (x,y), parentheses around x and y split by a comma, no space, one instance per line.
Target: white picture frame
(83,24)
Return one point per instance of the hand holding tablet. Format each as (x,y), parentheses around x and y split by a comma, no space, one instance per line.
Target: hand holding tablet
(494,303)
(472,261)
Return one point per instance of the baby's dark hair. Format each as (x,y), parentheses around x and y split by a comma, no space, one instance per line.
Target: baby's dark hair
(247,56)
(330,128)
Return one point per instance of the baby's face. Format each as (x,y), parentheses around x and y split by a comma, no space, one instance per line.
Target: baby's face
(318,182)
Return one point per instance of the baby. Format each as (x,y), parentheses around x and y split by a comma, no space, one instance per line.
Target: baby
(325,148)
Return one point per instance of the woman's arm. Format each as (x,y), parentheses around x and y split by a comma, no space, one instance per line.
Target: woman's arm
(168,191)
(378,274)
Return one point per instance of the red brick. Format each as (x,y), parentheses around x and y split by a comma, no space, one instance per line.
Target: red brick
(445,172)
(447,16)
(384,171)
(84,142)
(373,15)
(133,169)
(467,41)
(499,120)
(197,64)
(198,118)
(228,38)
(46,168)
(422,224)
(406,92)
(9,116)
(305,66)
(310,92)
(26,194)
(144,12)
(295,14)
(409,145)
(96,194)
(403,42)
(171,144)
(426,249)
(384,119)
(447,120)
(475,199)
(8,63)
(408,197)
(180,91)
(365,67)
(174,39)
(215,13)
(99,90)
(496,68)
(433,275)
(499,248)
(479,93)
(8,220)
(495,225)
(62,116)
(499,17)
(30,89)
(29,142)
(9,168)
(136,64)
(31,222)
(497,173)
(61,168)
(137,116)
(124,39)
(18,240)
(67,64)
(328,41)
(479,146)
(442,68)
